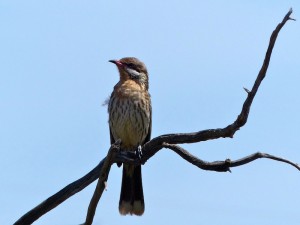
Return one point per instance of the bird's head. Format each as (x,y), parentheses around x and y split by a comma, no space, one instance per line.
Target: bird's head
(133,69)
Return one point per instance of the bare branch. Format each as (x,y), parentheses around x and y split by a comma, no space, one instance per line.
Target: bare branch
(150,148)
(260,155)
(224,166)
(101,185)
(60,196)
(169,141)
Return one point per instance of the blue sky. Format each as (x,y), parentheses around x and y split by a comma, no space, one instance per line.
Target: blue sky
(55,75)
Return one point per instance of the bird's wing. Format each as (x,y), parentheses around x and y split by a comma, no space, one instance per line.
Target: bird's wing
(148,137)
(112,140)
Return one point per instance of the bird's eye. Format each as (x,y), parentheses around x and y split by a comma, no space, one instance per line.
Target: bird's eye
(130,65)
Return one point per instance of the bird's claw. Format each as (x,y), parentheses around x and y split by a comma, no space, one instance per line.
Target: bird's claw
(139,153)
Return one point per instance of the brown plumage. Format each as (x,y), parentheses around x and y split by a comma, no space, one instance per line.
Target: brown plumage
(129,109)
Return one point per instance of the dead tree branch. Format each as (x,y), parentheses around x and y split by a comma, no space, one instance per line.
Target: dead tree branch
(169,141)
(101,182)
(150,148)
(224,166)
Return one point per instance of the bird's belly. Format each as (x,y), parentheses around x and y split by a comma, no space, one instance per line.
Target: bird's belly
(129,123)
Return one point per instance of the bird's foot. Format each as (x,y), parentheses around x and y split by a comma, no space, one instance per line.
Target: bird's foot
(139,153)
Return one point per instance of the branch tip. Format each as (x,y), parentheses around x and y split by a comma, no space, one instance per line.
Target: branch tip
(247,90)
(289,13)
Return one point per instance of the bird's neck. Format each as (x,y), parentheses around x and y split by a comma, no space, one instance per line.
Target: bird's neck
(129,87)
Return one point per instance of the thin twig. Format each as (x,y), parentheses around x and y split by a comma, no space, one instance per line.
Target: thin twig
(101,185)
(259,155)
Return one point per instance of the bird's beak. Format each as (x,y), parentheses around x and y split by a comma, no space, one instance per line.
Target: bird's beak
(117,62)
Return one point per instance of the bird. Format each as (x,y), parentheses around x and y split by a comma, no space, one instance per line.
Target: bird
(130,120)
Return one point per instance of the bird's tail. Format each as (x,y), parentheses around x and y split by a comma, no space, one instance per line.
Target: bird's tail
(132,197)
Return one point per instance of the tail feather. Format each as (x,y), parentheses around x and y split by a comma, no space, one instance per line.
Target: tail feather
(132,197)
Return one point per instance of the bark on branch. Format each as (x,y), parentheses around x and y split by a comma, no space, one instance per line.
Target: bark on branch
(102,181)
(169,141)
(224,166)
